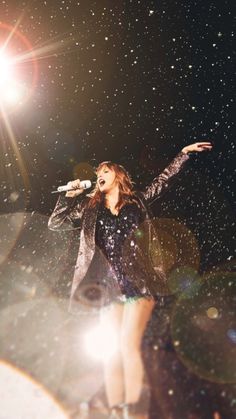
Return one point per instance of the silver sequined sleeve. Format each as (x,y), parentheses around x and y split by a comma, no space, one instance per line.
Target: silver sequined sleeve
(67,213)
(163,181)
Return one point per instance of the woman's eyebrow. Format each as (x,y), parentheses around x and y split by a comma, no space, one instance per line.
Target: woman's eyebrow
(103,169)
(100,171)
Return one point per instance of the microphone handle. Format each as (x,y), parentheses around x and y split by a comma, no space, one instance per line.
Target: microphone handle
(85,184)
(63,191)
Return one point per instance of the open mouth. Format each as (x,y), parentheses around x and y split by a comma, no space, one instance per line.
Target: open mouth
(101,182)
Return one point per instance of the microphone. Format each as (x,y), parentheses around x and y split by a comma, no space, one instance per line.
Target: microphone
(84,184)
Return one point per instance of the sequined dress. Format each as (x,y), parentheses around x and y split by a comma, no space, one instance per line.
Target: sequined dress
(115,237)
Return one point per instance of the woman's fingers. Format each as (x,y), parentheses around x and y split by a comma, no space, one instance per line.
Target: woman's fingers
(70,194)
(73,194)
(74,184)
(204,146)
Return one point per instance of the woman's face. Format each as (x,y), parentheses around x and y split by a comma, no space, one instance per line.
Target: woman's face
(106,179)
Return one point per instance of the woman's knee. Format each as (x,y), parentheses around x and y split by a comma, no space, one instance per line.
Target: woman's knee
(113,362)
(129,345)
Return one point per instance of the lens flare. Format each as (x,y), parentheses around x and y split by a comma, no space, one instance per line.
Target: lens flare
(5,69)
(101,342)
(30,398)
(17,81)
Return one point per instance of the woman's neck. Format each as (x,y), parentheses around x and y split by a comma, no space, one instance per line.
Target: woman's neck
(112,197)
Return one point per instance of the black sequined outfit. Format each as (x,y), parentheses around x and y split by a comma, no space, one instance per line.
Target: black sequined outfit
(115,234)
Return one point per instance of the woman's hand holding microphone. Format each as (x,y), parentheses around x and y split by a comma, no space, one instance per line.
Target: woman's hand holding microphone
(74,184)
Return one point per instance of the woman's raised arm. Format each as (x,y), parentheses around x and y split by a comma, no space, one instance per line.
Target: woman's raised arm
(163,181)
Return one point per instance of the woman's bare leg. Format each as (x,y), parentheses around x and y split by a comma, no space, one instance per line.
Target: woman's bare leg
(136,315)
(113,368)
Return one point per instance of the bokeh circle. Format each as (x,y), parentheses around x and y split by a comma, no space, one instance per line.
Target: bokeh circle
(204,328)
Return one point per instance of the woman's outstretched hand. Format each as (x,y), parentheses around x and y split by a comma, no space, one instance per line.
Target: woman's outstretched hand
(74,184)
(197,147)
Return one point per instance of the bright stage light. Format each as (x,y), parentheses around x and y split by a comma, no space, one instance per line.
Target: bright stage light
(5,69)
(11,91)
(13,94)
(101,342)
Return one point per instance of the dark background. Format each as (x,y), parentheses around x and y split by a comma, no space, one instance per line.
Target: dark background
(129,81)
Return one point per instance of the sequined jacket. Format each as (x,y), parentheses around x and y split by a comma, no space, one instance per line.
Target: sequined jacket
(73,213)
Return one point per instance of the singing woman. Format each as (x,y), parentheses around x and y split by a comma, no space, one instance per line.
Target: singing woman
(116,235)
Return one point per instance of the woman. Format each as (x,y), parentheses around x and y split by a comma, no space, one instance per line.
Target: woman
(115,227)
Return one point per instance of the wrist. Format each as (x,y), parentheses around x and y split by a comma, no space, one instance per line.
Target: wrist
(184,150)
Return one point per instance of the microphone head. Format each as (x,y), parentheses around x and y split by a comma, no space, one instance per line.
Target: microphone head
(86,184)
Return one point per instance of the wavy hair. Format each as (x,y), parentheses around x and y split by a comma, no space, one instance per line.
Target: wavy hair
(125,184)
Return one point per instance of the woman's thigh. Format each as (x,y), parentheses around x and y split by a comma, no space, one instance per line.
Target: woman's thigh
(112,316)
(135,318)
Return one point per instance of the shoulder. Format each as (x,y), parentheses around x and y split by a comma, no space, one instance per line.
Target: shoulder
(137,204)
(139,199)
